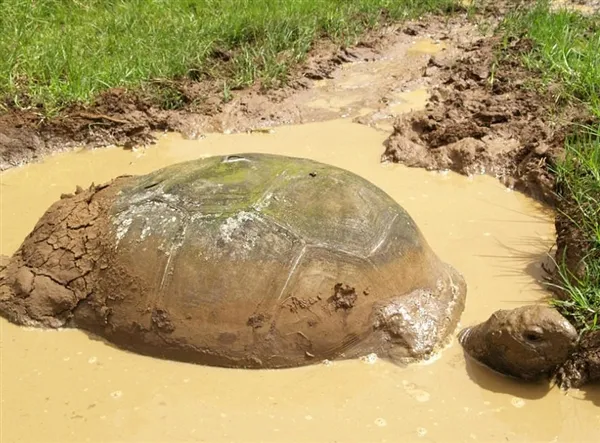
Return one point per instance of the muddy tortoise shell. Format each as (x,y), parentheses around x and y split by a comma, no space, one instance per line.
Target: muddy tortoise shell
(252,260)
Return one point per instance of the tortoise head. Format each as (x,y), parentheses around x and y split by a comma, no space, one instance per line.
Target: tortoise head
(528,342)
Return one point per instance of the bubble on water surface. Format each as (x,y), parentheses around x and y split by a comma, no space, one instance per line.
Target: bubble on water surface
(380,422)
(413,390)
(517,402)
(369,359)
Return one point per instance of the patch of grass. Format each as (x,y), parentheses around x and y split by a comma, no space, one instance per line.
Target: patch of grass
(566,51)
(578,178)
(55,52)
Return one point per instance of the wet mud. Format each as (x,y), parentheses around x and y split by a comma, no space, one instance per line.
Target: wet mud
(584,365)
(484,117)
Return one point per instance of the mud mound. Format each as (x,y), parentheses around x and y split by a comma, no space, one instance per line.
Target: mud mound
(482,119)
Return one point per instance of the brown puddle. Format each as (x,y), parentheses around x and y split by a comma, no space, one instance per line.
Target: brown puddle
(377,90)
(409,101)
(426,46)
(63,386)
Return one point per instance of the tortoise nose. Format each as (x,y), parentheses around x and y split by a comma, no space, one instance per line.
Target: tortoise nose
(463,336)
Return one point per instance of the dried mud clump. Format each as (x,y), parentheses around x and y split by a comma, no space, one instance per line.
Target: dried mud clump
(484,120)
(584,365)
(55,268)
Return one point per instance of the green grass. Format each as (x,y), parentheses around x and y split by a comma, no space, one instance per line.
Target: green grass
(56,52)
(566,51)
(578,179)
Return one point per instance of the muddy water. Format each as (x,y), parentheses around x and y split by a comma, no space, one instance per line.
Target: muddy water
(63,386)
(376,90)
(426,46)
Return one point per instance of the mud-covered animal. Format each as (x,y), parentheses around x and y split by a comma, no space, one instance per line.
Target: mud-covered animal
(532,342)
(255,261)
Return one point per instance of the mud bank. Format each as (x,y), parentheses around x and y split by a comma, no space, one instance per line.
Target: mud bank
(129,118)
(484,117)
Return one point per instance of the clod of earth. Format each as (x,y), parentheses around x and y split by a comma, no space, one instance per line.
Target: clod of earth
(254,261)
(532,342)
(472,125)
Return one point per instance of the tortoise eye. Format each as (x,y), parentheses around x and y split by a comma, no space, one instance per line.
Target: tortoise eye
(533,336)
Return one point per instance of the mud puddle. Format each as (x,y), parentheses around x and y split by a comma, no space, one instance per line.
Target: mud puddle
(63,386)
(376,91)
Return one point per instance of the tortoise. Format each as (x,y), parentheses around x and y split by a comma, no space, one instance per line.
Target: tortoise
(246,261)
(533,342)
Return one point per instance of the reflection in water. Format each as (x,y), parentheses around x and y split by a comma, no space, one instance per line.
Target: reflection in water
(61,386)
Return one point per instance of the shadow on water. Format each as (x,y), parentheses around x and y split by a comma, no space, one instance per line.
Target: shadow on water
(592,393)
(535,258)
(493,381)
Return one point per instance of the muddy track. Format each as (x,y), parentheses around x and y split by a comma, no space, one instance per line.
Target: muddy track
(131,118)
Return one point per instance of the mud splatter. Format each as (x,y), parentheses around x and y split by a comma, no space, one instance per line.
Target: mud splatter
(344,297)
